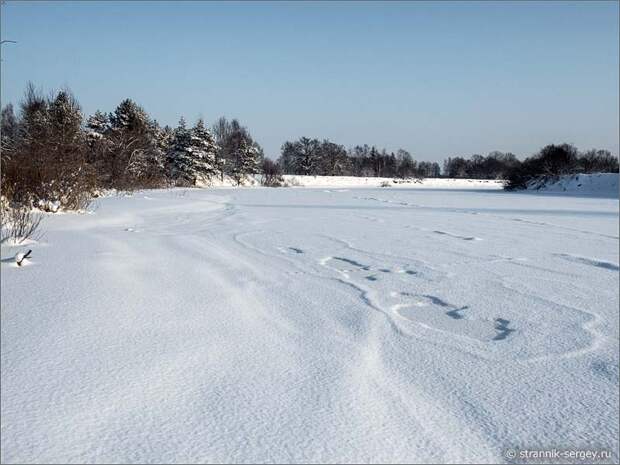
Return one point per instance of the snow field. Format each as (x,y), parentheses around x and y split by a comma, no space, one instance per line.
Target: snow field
(313,325)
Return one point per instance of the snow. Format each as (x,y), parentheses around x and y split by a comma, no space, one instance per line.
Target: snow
(599,184)
(352,181)
(313,325)
(294,180)
(51,206)
(21,257)
(13,242)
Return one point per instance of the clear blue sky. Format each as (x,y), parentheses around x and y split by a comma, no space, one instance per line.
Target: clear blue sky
(438,79)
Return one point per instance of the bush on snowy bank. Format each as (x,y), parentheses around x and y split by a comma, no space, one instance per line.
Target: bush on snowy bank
(554,161)
(49,205)
(44,154)
(18,223)
(272,174)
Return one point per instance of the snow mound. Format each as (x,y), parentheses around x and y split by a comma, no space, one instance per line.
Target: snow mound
(599,184)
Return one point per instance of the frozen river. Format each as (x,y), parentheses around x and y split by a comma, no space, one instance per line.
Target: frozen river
(313,325)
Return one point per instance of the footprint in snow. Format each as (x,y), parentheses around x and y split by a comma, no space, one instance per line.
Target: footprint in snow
(352,262)
(294,250)
(503,331)
(431,311)
(348,265)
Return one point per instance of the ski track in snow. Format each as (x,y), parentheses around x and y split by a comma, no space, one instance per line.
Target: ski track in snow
(281,325)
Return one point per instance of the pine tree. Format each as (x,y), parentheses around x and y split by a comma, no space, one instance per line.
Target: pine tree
(193,153)
(97,125)
(247,160)
(129,116)
(148,164)
(164,137)
(178,149)
(204,149)
(230,135)
(135,159)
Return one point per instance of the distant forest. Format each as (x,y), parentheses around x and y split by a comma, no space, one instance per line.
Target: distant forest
(51,152)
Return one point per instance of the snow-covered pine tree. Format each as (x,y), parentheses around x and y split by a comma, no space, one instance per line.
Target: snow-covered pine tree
(130,116)
(229,136)
(97,125)
(164,137)
(204,150)
(179,144)
(65,116)
(247,161)
(136,158)
(151,162)
(193,153)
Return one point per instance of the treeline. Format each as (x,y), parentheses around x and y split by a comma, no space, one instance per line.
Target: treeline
(50,152)
(325,158)
(496,165)
(314,157)
(556,160)
(551,160)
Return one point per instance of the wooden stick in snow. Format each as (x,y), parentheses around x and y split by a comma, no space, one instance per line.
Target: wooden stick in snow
(20,257)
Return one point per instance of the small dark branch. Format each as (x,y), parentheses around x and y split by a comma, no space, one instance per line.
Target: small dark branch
(24,257)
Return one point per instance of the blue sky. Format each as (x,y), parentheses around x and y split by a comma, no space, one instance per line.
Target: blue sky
(436,78)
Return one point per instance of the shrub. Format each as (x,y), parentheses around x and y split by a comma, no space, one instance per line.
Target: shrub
(18,224)
(553,161)
(598,161)
(47,159)
(272,175)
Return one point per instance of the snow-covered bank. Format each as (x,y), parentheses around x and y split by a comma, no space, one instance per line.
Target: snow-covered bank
(429,183)
(294,180)
(599,184)
(313,325)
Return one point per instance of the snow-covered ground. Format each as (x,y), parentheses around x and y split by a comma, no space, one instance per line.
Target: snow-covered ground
(313,325)
(354,181)
(294,180)
(599,184)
